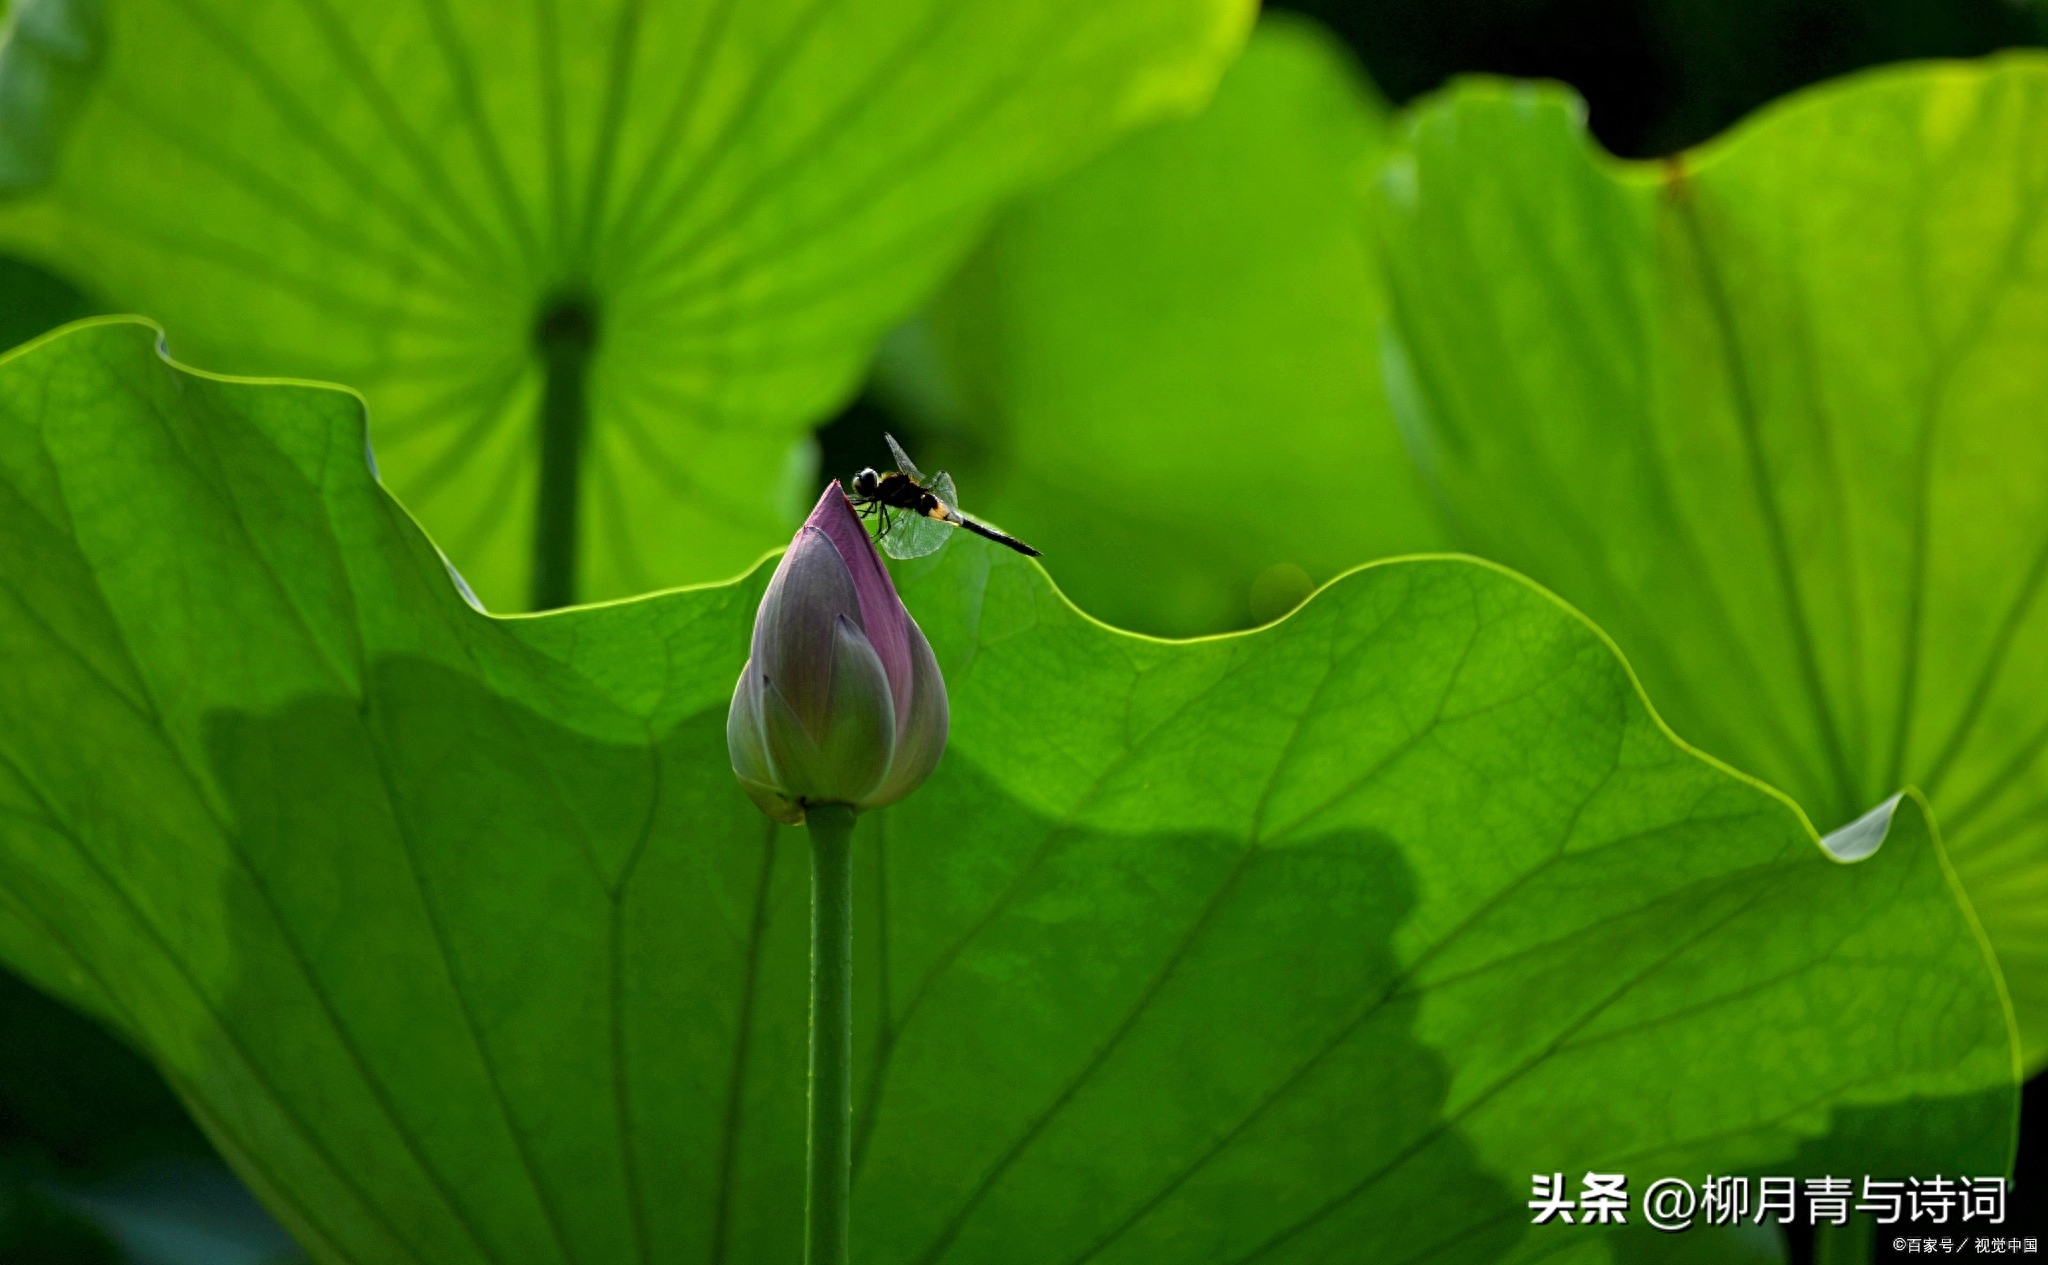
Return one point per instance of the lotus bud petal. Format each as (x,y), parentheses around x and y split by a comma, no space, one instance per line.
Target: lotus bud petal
(841,701)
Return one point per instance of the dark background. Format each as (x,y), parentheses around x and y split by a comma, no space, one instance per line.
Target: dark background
(80,1113)
(1664,74)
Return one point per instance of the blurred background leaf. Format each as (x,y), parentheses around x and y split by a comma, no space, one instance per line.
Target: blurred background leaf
(1181,334)
(1772,415)
(703,215)
(1160,370)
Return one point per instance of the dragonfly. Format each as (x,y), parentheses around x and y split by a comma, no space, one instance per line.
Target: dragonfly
(917,512)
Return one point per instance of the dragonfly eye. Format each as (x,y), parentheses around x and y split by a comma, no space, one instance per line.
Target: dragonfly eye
(864,482)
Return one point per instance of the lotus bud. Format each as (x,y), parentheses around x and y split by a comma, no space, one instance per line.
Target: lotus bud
(841,701)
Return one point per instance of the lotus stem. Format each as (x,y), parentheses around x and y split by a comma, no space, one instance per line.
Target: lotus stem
(830,1136)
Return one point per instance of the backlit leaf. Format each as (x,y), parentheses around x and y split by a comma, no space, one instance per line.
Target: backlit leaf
(1771,413)
(459,938)
(738,197)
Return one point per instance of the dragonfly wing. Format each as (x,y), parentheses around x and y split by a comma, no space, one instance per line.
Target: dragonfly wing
(941,486)
(903,461)
(913,535)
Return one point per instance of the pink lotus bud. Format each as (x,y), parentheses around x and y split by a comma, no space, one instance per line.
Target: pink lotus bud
(841,701)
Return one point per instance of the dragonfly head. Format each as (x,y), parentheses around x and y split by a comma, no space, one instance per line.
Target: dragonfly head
(866,482)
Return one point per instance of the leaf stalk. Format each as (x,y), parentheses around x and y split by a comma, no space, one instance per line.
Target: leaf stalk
(566,340)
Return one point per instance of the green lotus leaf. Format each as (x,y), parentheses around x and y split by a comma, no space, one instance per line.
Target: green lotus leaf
(460,940)
(1770,413)
(1152,368)
(695,217)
